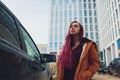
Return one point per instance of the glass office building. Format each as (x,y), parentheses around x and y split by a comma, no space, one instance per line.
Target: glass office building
(63,12)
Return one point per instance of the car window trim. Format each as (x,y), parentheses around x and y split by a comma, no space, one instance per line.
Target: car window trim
(21,26)
(14,18)
(21,36)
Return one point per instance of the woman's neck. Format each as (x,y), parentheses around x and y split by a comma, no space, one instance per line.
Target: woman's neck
(76,42)
(76,39)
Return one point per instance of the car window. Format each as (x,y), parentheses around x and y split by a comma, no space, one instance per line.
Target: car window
(115,61)
(8,29)
(118,61)
(31,48)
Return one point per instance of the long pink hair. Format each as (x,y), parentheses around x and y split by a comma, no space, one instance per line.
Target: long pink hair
(66,53)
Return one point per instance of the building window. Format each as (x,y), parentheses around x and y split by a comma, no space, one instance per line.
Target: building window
(75,10)
(111,21)
(61,11)
(70,10)
(56,46)
(65,30)
(85,19)
(52,13)
(66,1)
(95,14)
(97,35)
(85,12)
(91,27)
(44,50)
(51,37)
(86,34)
(86,28)
(97,42)
(113,34)
(89,5)
(85,7)
(116,30)
(90,12)
(56,37)
(112,6)
(61,21)
(118,27)
(70,19)
(61,37)
(56,28)
(110,36)
(52,21)
(94,0)
(80,0)
(73,1)
(80,6)
(90,19)
(94,5)
(115,3)
(91,35)
(96,27)
(119,8)
(60,2)
(51,29)
(65,11)
(95,19)
(60,45)
(84,0)
(51,45)
(61,28)
(110,10)
(114,17)
(89,0)
(117,13)
(53,2)
(80,12)
(80,20)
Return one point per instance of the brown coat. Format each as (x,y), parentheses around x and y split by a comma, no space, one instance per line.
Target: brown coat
(87,66)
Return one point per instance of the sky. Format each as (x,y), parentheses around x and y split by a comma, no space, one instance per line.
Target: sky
(34,16)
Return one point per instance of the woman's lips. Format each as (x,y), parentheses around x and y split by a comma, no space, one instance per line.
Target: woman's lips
(72,30)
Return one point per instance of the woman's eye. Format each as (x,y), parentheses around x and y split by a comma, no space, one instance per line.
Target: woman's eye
(76,26)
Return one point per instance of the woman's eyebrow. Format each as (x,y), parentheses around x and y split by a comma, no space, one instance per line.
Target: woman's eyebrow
(75,25)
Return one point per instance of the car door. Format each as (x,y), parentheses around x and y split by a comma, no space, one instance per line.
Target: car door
(14,62)
(40,69)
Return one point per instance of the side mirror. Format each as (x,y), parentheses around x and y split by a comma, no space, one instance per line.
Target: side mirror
(48,58)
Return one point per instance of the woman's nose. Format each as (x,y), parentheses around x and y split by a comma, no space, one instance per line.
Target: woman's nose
(72,26)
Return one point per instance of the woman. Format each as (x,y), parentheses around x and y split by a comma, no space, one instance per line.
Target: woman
(78,59)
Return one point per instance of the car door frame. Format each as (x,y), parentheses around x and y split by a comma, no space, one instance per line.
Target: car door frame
(42,71)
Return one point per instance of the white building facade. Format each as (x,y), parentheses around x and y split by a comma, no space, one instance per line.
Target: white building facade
(43,48)
(109,25)
(63,12)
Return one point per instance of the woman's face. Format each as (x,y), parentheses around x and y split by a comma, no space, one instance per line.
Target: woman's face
(74,29)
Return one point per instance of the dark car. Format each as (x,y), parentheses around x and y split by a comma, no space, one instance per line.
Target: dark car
(102,68)
(114,67)
(19,57)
